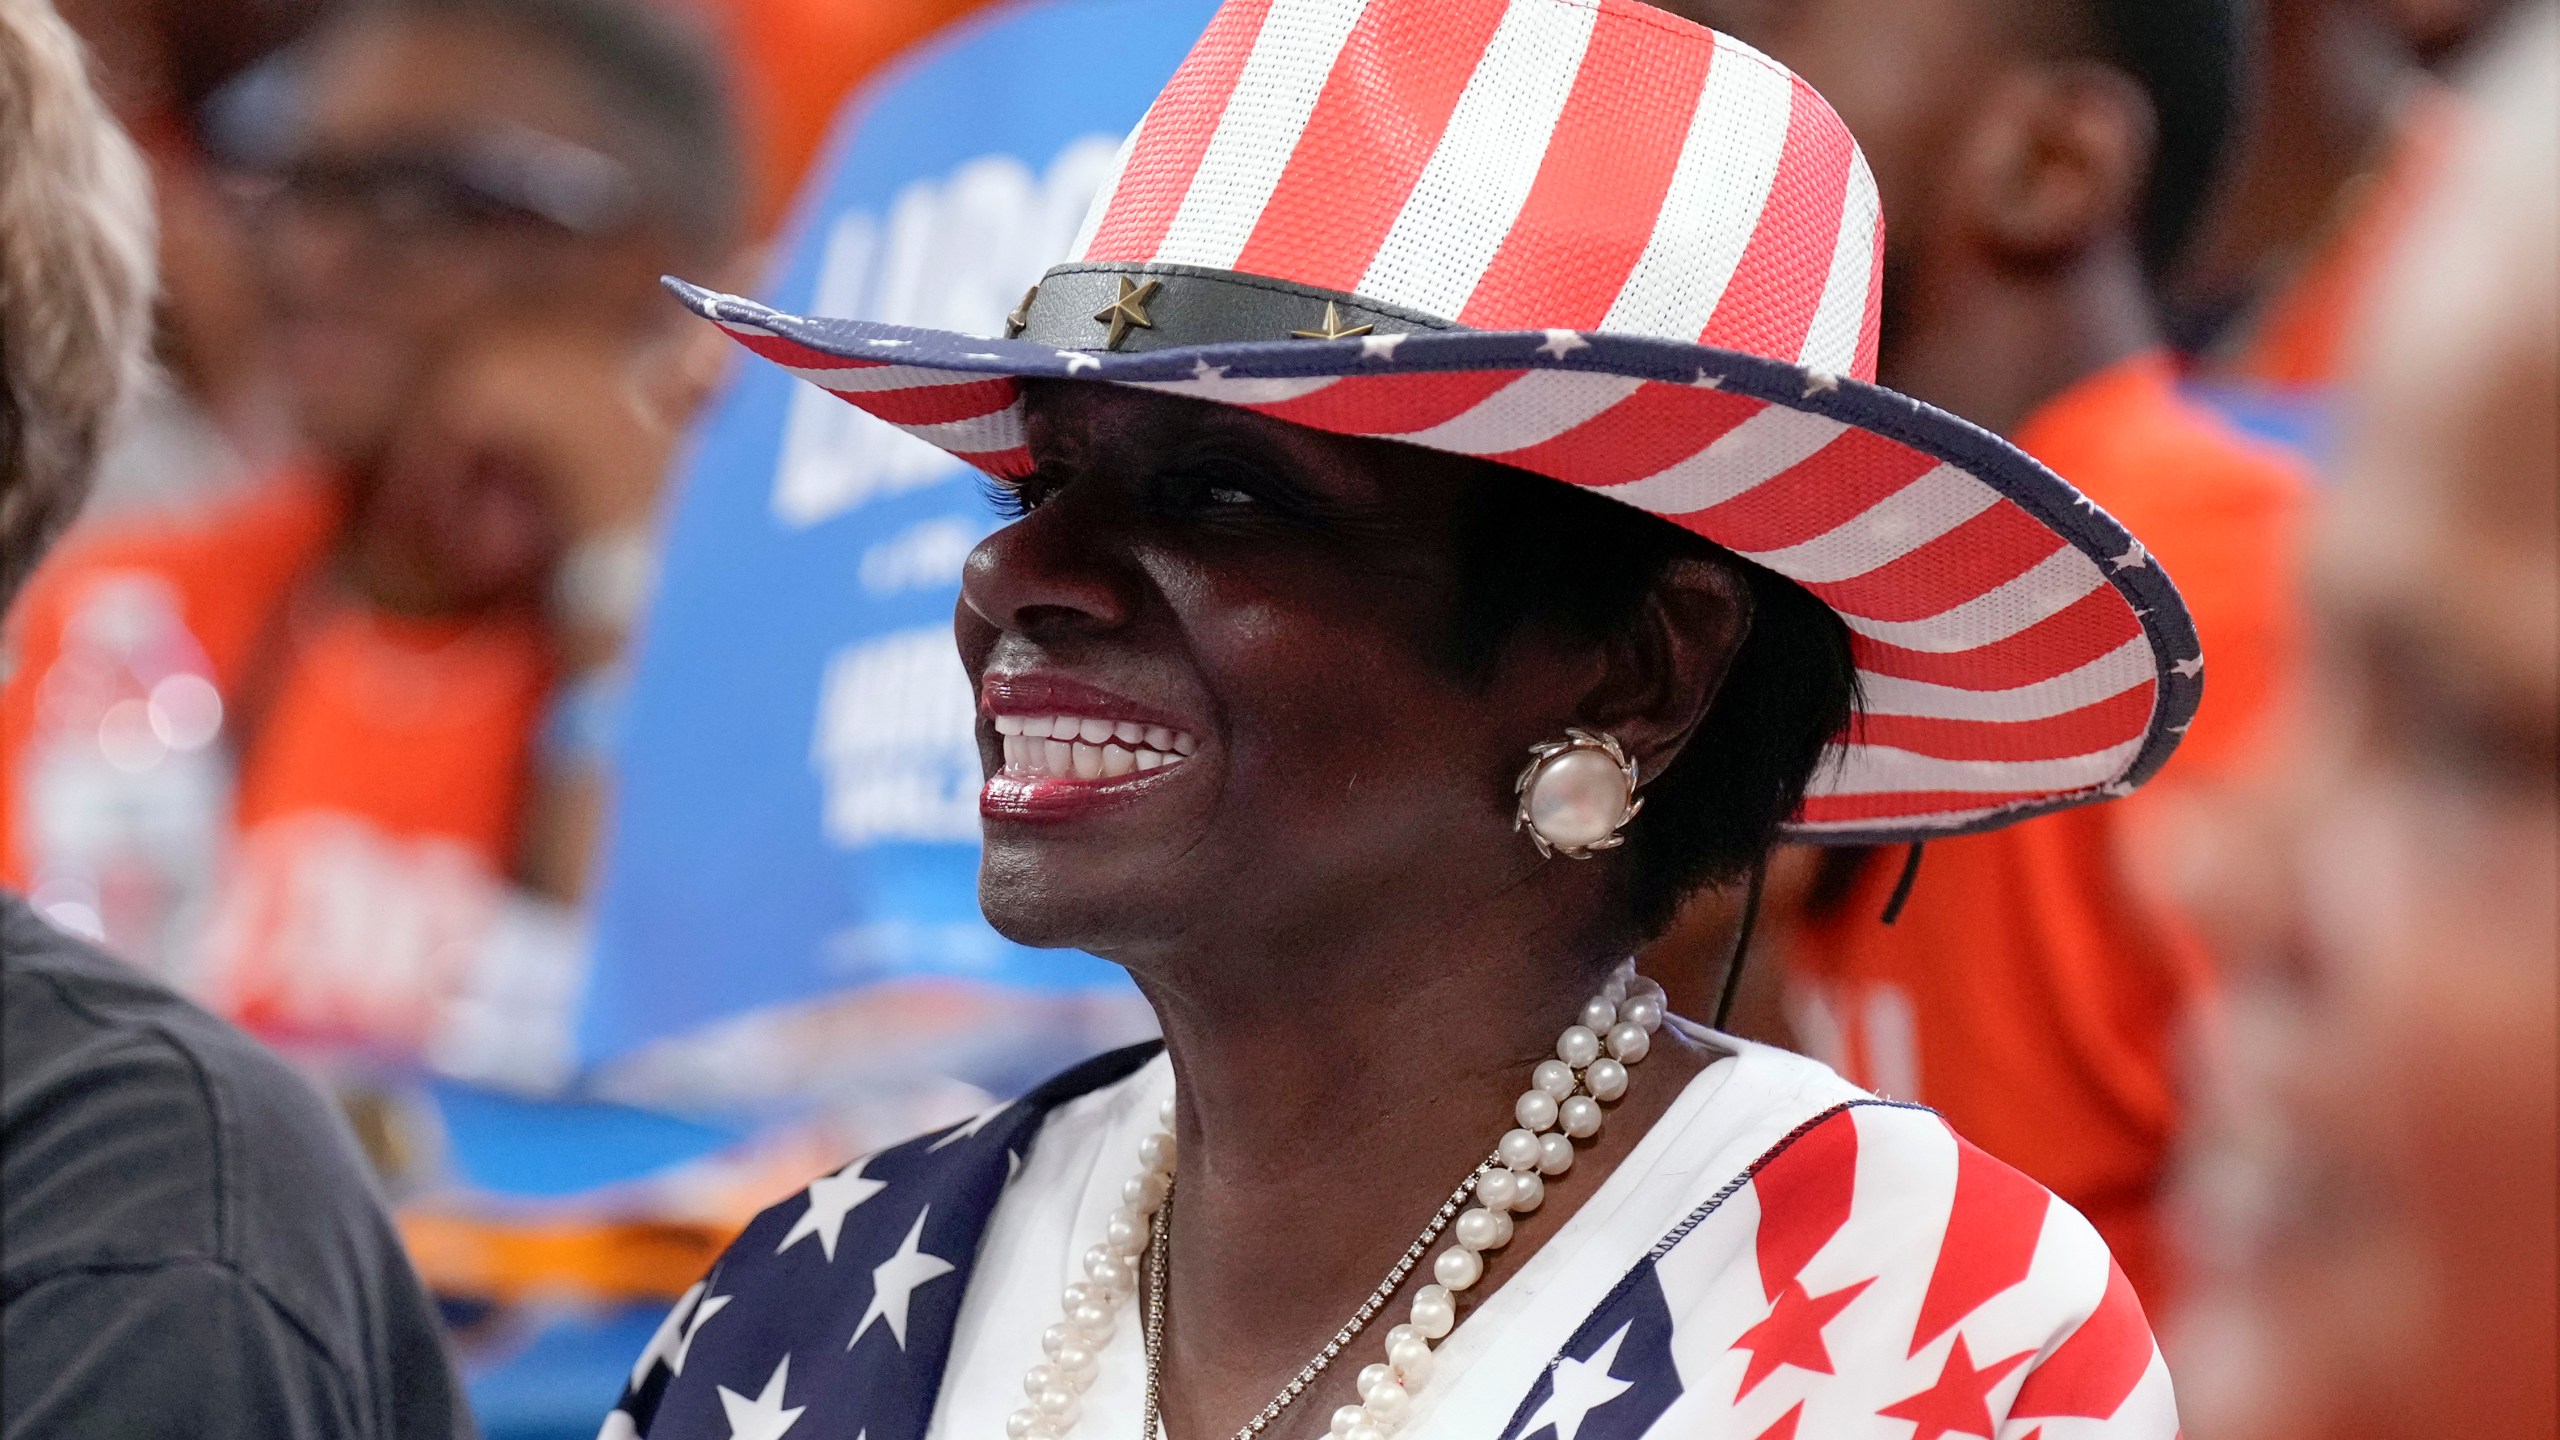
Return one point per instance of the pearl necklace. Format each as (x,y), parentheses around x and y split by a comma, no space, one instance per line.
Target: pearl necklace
(1562,1105)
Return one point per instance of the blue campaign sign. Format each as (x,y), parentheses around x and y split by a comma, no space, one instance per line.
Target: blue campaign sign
(797,805)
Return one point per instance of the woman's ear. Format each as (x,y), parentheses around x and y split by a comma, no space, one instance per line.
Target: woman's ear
(2056,162)
(1664,673)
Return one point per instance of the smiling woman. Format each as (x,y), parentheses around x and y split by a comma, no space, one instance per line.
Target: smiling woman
(1481,609)
(1383,486)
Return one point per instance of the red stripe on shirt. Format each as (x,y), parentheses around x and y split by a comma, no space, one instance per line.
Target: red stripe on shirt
(1990,1241)
(2093,1373)
(1805,1195)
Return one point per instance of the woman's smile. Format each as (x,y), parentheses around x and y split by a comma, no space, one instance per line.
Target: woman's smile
(1066,747)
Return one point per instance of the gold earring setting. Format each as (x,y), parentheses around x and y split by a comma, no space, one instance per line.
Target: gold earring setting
(1577,795)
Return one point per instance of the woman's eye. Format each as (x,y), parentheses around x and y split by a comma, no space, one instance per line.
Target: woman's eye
(1014,499)
(1193,492)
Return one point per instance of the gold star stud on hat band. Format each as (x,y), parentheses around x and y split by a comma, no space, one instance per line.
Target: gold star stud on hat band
(1128,312)
(1332,327)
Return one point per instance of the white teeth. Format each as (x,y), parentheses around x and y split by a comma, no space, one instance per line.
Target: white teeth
(1088,747)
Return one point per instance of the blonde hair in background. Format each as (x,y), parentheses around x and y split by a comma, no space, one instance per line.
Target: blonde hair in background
(77,253)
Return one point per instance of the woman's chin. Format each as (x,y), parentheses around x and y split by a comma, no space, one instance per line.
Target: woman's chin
(1031,901)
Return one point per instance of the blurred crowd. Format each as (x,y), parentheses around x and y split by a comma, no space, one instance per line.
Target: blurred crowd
(312,712)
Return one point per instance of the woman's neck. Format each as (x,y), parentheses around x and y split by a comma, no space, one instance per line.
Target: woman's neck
(1327,1105)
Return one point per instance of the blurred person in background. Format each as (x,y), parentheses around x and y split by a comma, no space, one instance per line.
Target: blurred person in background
(2376,1200)
(2036,162)
(806,56)
(211,416)
(192,1247)
(2344,127)
(2443,32)
(328,750)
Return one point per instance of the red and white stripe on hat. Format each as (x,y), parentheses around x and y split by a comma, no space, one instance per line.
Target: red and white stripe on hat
(1510,165)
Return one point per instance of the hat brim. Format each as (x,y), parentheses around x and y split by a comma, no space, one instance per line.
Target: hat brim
(2018,651)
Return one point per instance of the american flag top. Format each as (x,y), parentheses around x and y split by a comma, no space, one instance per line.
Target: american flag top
(1598,243)
(1783,1256)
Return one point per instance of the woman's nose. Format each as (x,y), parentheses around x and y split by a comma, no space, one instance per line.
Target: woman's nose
(1055,571)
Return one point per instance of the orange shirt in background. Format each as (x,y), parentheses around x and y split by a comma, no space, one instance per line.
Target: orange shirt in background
(2034,989)
(378,763)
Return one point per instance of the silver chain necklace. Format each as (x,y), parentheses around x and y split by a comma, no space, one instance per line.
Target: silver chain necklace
(1160,1244)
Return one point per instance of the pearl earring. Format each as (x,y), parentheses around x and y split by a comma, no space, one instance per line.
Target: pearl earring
(1577,795)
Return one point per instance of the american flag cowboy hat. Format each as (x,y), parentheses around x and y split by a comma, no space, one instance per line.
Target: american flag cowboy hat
(1605,245)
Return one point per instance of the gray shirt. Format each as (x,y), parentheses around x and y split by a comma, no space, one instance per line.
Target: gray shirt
(191,1243)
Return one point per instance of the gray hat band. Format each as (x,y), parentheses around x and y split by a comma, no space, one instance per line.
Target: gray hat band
(1134,309)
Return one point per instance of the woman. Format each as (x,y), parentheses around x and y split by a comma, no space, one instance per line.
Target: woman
(1372,758)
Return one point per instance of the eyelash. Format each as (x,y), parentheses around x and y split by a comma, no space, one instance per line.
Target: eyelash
(1013,500)
(1017,498)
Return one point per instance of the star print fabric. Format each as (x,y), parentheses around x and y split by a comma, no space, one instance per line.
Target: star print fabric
(858,1281)
(1782,1256)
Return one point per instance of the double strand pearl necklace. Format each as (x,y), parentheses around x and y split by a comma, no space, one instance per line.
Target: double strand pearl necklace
(1562,1105)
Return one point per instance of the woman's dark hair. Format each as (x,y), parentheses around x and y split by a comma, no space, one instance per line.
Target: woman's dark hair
(1532,550)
